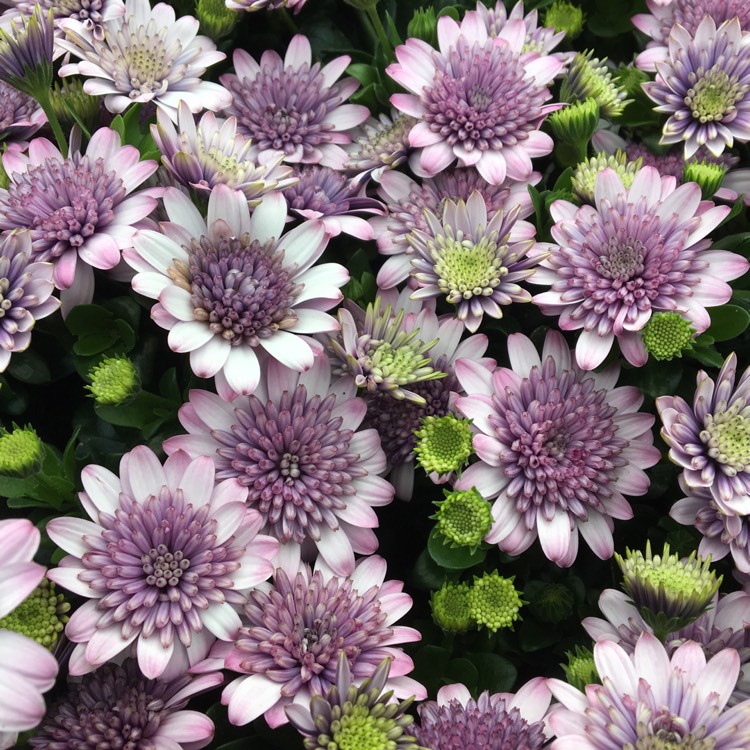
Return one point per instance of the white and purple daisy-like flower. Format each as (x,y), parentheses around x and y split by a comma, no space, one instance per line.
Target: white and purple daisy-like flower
(165,558)
(233,285)
(503,720)
(558,447)
(710,440)
(212,152)
(297,626)
(255,5)
(20,115)
(92,14)
(27,669)
(81,211)
(293,105)
(479,100)
(703,84)
(652,701)
(297,446)
(637,251)
(474,259)
(322,193)
(145,55)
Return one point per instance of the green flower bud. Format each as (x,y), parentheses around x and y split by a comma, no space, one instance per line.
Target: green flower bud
(423,25)
(70,92)
(450,608)
(464,518)
(444,444)
(114,380)
(217,21)
(585,174)
(552,603)
(666,335)
(580,669)
(708,176)
(41,617)
(669,593)
(575,124)
(494,602)
(589,77)
(21,452)
(564,16)
(630,79)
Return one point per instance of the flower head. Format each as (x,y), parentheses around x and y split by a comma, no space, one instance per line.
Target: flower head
(463,518)
(457,721)
(166,554)
(293,105)
(254,5)
(494,601)
(564,16)
(295,445)
(654,702)
(20,115)
(540,428)
(68,94)
(354,716)
(586,172)
(145,55)
(216,19)
(711,440)
(212,152)
(90,13)
(590,78)
(708,175)
(581,668)
(26,53)
(636,252)
(480,100)
(450,608)
(118,707)
(577,123)
(21,452)
(298,626)
(703,84)
(443,443)
(233,287)
(667,335)
(41,617)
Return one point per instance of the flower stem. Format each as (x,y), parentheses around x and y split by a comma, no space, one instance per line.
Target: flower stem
(377,24)
(287,20)
(46,105)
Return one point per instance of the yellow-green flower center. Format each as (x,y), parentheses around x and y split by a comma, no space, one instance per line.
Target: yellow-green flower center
(581,669)
(401,364)
(712,96)
(464,518)
(585,174)
(667,335)
(114,380)
(41,617)
(21,451)
(443,443)
(494,602)
(450,608)
(564,16)
(727,436)
(359,730)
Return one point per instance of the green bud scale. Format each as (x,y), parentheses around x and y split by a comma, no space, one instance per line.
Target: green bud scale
(575,124)
(217,21)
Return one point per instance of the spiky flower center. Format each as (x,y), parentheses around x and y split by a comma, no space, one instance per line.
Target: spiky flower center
(21,450)
(494,602)
(713,94)
(400,364)
(443,443)
(41,617)
(727,436)
(581,669)
(114,380)
(666,335)
(622,261)
(240,287)
(464,517)
(450,607)
(481,98)
(564,16)
(361,731)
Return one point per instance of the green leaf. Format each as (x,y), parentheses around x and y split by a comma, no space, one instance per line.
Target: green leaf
(728,322)
(365,74)
(463,671)
(96,343)
(85,319)
(706,355)
(13,487)
(26,502)
(496,673)
(452,558)
(29,367)
(69,454)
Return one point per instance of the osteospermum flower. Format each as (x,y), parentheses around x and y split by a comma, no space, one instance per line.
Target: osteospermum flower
(20,115)
(475,260)
(165,557)
(711,440)
(480,100)
(77,208)
(634,253)
(90,13)
(494,601)
(233,286)
(590,78)
(457,721)
(26,50)
(463,518)
(540,427)
(25,293)
(293,105)
(295,444)
(703,84)
(298,626)
(254,5)
(145,55)
(117,706)
(322,193)
(27,669)
(652,701)
(211,152)
(537,39)
(450,608)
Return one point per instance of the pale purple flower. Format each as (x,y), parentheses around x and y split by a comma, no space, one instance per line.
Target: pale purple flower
(473,258)
(233,286)
(406,203)
(322,193)
(297,446)
(491,722)
(91,13)
(254,5)
(20,115)
(297,626)
(479,100)
(635,252)
(672,164)
(558,448)
(165,558)
(688,13)
(83,208)
(117,707)
(703,84)
(293,105)
(27,669)
(710,440)
(25,293)
(145,55)
(26,50)
(723,625)
(652,701)
(211,152)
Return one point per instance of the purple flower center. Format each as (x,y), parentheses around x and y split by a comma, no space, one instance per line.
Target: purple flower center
(241,288)
(481,98)
(294,459)
(563,445)
(667,731)
(297,629)
(160,564)
(14,107)
(13,279)
(320,189)
(689,13)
